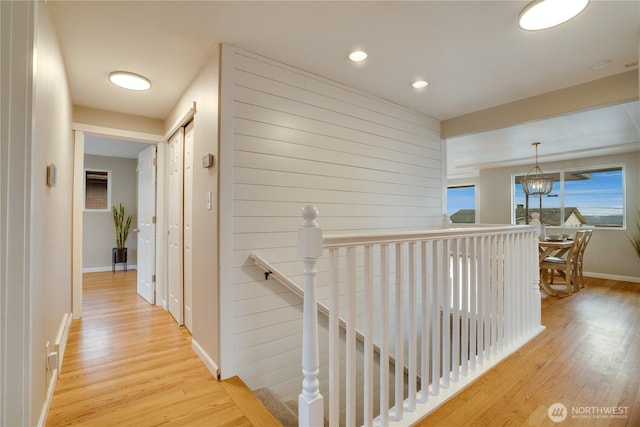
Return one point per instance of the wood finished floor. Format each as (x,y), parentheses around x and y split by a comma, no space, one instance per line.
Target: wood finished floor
(128,364)
(588,356)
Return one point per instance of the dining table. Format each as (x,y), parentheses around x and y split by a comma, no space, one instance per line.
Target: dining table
(552,247)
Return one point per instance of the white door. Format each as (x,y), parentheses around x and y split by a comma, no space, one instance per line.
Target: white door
(146,223)
(174,263)
(188,235)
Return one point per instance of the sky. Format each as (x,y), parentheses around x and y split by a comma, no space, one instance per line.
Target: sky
(600,195)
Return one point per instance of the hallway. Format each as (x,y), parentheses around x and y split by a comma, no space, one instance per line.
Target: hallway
(128,363)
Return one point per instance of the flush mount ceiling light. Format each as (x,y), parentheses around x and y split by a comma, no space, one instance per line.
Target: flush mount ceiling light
(419,84)
(129,80)
(543,14)
(358,55)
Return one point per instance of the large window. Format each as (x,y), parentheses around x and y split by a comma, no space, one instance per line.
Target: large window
(588,197)
(461,204)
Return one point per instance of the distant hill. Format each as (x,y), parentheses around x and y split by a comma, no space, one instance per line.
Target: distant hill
(604,220)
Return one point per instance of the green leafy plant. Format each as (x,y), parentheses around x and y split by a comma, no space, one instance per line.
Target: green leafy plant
(120,225)
(635,238)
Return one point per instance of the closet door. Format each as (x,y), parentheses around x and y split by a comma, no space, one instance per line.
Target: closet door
(175,221)
(188,215)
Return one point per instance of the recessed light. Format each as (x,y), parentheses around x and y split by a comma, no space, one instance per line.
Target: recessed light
(419,84)
(543,14)
(129,80)
(358,55)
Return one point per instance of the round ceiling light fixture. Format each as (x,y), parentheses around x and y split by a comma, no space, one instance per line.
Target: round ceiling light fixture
(128,80)
(358,55)
(543,14)
(419,84)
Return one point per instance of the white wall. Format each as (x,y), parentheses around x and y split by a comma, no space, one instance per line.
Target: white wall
(39,269)
(290,138)
(205,306)
(98,235)
(609,253)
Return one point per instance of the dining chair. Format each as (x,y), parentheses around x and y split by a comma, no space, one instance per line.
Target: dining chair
(567,268)
(580,281)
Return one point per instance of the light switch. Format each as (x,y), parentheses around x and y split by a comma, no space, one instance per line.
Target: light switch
(209,200)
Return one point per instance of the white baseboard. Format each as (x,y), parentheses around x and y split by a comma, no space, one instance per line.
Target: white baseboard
(206,359)
(48,398)
(613,277)
(59,346)
(119,267)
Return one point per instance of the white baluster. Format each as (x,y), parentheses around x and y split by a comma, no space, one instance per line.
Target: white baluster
(466,263)
(399,372)
(446,312)
(413,335)
(384,350)
(368,342)
(455,313)
(310,402)
(426,325)
(436,305)
(351,363)
(473,304)
(334,337)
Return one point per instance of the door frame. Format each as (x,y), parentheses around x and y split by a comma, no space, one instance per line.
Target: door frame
(80,129)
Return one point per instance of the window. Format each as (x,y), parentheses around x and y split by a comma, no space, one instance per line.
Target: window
(97,190)
(461,204)
(587,197)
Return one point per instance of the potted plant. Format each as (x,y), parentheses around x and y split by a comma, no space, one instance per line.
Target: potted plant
(121,226)
(635,238)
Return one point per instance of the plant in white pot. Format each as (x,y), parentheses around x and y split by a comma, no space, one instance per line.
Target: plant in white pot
(121,225)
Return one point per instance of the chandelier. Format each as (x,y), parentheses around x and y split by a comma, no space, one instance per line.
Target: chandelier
(536,183)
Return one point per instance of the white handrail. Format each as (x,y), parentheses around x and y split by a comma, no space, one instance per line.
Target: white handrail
(271,270)
(338,240)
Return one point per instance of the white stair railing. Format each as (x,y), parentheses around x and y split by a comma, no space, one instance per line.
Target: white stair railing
(448,304)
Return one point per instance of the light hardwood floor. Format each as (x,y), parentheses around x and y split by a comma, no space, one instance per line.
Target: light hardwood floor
(588,359)
(128,364)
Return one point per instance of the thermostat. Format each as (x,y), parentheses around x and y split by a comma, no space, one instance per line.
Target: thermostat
(208,161)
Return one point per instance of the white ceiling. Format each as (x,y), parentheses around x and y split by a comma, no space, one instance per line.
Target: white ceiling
(472,52)
(112,147)
(610,130)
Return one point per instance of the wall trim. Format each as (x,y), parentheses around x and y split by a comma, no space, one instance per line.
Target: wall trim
(113,132)
(613,277)
(206,359)
(108,268)
(48,398)
(60,346)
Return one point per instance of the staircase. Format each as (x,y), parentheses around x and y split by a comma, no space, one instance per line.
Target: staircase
(249,404)
(285,412)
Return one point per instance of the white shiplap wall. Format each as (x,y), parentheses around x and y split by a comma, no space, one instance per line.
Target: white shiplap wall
(290,138)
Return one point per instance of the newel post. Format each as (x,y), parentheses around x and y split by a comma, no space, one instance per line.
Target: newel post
(537,296)
(310,402)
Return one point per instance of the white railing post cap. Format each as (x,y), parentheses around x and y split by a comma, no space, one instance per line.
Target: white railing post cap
(310,235)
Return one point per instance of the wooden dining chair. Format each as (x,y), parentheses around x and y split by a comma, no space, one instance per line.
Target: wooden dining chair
(580,278)
(566,268)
